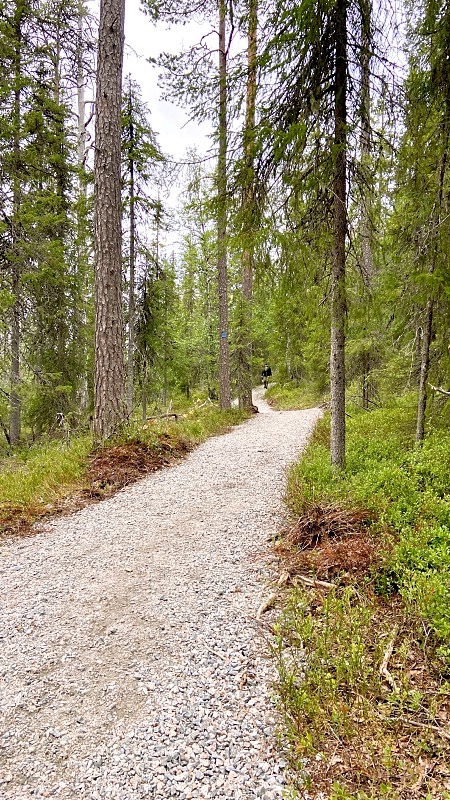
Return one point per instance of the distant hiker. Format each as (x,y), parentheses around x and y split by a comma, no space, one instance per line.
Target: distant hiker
(266,374)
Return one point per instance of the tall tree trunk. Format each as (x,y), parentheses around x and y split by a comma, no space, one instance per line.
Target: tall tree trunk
(131,288)
(365,222)
(338,294)
(82,245)
(60,227)
(424,369)
(246,399)
(428,324)
(365,225)
(224,347)
(109,385)
(144,391)
(14,411)
(81,103)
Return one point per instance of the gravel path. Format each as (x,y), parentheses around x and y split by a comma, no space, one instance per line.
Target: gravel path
(131,665)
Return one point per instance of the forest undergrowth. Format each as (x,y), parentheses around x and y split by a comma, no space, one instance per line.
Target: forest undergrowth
(59,477)
(363,641)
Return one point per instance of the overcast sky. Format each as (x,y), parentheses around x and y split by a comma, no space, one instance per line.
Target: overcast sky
(143,39)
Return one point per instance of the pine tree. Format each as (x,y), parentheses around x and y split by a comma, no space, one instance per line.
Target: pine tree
(109,410)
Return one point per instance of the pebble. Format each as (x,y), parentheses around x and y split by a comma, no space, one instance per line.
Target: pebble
(150,681)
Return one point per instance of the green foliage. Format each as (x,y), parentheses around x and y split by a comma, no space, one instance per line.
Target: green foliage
(195,426)
(289,396)
(328,677)
(40,474)
(406,488)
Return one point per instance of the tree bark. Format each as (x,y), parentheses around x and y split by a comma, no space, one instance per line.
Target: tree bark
(249,208)
(109,388)
(424,369)
(365,226)
(224,347)
(428,325)
(81,103)
(338,292)
(366,193)
(14,410)
(82,242)
(131,287)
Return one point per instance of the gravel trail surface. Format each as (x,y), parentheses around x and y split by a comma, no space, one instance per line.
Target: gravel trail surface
(131,663)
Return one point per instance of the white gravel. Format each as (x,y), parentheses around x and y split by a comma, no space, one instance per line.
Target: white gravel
(131,664)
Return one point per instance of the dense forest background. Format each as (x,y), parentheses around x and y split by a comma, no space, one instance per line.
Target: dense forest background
(317,219)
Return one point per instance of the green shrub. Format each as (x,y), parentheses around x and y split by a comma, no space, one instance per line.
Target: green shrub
(288,396)
(407,489)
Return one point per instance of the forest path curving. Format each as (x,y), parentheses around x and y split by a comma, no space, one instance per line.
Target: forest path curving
(131,665)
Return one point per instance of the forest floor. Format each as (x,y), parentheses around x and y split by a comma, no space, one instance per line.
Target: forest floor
(132,663)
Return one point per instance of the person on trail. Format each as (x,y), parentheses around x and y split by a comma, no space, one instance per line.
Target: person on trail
(266,374)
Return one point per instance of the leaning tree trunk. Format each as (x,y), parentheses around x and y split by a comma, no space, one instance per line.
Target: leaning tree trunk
(246,399)
(224,347)
(109,410)
(338,298)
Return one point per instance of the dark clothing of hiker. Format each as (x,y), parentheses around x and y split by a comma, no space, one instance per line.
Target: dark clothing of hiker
(266,374)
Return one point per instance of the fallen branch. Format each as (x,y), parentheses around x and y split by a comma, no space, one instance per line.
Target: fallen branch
(215,653)
(313,582)
(284,579)
(384,672)
(163,416)
(266,604)
(438,389)
(426,725)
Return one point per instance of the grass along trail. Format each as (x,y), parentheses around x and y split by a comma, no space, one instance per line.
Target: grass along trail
(130,660)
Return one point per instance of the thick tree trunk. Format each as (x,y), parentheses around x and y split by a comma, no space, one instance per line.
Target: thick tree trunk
(224,347)
(338,295)
(246,400)
(109,411)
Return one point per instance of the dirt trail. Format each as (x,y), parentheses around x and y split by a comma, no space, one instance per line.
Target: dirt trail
(131,665)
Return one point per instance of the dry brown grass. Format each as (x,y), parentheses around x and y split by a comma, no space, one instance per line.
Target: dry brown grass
(329,541)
